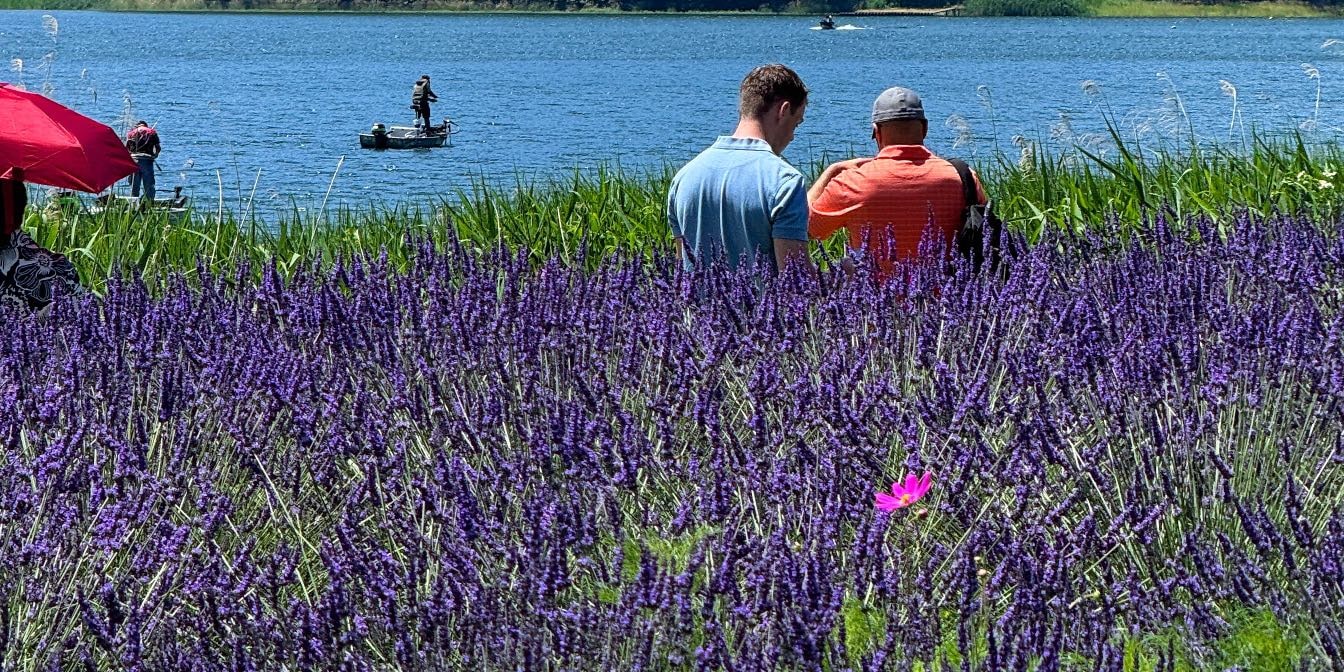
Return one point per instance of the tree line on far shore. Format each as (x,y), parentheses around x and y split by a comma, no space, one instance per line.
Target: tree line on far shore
(1086,7)
(971,7)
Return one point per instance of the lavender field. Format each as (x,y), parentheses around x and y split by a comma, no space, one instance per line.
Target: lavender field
(1136,458)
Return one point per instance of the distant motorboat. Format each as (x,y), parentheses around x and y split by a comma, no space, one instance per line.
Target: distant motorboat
(826,24)
(406,137)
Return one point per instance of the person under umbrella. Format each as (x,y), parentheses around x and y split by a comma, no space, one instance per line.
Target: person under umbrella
(30,275)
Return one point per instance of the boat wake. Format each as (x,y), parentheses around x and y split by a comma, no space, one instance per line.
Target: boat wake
(848,26)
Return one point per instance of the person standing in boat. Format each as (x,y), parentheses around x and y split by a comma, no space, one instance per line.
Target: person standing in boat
(421,97)
(143,144)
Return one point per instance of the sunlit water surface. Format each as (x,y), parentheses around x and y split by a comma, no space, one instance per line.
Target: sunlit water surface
(267,108)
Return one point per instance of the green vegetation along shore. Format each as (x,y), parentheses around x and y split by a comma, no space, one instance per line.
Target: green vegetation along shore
(1154,8)
(600,212)
(1174,8)
(1091,8)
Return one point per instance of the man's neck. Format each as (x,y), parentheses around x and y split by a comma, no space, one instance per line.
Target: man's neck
(887,137)
(749,128)
(753,129)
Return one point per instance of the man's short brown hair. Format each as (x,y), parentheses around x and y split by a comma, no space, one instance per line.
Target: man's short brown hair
(765,86)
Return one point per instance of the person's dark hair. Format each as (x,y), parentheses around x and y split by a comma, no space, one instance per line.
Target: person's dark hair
(765,86)
(142,122)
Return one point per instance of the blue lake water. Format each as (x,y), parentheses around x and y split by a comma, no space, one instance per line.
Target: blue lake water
(277,100)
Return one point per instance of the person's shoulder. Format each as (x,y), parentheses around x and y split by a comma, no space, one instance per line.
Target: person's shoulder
(950,161)
(697,162)
(781,166)
(692,167)
(787,171)
(954,160)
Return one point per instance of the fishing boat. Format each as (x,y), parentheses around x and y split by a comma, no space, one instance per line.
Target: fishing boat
(176,207)
(406,137)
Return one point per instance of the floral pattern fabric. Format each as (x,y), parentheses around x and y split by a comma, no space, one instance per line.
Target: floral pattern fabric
(31,275)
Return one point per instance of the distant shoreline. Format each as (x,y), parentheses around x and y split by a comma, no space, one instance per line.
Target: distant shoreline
(1166,9)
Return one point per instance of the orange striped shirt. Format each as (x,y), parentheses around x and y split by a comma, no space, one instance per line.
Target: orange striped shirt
(887,203)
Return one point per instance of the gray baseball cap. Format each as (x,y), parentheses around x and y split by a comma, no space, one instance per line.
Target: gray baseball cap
(897,103)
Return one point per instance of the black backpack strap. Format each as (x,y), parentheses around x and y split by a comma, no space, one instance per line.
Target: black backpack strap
(988,236)
(968,190)
(970,238)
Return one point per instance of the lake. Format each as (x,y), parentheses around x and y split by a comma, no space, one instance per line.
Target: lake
(267,106)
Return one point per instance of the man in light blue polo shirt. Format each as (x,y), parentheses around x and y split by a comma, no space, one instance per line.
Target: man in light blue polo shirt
(738,199)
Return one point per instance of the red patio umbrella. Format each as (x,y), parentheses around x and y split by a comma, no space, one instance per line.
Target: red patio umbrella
(56,146)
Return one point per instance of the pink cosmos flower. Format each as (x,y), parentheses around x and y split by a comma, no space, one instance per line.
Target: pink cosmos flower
(904,494)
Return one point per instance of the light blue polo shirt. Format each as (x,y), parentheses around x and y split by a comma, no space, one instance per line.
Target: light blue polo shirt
(733,200)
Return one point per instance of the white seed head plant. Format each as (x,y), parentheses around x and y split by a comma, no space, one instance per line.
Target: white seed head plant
(16,67)
(1313,123)
(127,112)
(964,136)
(1062,130)
(1173,118)
(1026,153)
(1230,90)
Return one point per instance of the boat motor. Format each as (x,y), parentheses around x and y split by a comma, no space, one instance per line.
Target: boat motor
(379,132)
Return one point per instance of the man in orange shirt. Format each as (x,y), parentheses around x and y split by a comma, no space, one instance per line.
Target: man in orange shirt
(887,202)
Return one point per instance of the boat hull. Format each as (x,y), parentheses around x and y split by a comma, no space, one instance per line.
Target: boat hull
(402,137)
(174,208)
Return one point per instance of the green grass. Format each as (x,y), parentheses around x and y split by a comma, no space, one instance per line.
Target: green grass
(593,214)
(1175,9)
(1077,188)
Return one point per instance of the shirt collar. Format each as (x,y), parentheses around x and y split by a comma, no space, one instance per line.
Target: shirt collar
(750,144)
(906,152)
